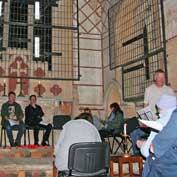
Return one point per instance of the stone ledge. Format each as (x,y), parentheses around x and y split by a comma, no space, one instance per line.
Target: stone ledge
(25,152)
(27,164)
(23,173)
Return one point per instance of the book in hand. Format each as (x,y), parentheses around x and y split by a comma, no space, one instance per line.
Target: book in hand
(152,124)
(146,114)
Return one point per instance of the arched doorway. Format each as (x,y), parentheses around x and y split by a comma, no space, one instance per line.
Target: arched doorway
(112,94)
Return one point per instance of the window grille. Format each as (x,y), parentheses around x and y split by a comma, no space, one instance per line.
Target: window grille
(40,37)
(137,43)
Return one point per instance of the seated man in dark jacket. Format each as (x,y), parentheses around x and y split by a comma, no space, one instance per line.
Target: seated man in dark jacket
(33,118)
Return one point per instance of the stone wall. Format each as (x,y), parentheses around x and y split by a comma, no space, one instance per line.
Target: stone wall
(99,86)
(110,76)
(89,90)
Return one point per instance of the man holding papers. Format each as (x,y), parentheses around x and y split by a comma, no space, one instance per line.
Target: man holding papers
(162,160)
(151,97)
(12,116)
(166,105)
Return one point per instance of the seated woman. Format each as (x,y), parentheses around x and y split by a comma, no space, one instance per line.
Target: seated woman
(75,131)
(114,124)
(33,118)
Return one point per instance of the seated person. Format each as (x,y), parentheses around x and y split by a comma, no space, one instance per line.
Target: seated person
(75,131)
(96,121)
(140,133)
(12,116)
(114,124)
(33,118)
(162,160)
(166,105)
(132,124)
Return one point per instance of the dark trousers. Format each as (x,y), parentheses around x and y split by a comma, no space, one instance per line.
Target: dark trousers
(138,134)
(46,133)
(9,129)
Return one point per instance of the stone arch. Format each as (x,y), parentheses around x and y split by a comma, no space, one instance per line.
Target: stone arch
(113,94)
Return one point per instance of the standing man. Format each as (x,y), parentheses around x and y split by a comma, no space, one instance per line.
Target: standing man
(156,90)
(33,118)
(151,97)
(12,116)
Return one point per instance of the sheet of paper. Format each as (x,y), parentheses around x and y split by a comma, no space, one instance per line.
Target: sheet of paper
(13,122)
(146,114)
(152,124)
(43,123)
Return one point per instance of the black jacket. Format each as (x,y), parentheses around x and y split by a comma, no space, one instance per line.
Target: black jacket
(33,115)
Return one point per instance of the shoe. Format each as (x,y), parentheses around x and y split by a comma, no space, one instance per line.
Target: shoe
(17,144)
(36,144)
(12,144)
(45,143)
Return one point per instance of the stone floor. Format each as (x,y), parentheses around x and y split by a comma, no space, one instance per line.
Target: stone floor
(37,162)
(26,162)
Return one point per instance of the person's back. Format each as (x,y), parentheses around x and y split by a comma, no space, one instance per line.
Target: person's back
(74,131)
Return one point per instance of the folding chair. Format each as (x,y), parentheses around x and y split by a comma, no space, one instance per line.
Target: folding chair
(58,122)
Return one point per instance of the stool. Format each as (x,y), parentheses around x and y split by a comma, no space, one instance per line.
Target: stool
(121,143)
(126,160)
(117,140)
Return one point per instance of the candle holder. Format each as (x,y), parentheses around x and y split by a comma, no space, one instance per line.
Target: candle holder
(4,89)
(39,90)
(21,89)
(125,145)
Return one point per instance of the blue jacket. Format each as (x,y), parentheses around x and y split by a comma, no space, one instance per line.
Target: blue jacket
(165,151)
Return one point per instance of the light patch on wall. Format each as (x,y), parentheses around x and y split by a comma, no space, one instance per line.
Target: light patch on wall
(37,47)
(92,58)
(90,95)
(90,76)
(0,8)
(37,10)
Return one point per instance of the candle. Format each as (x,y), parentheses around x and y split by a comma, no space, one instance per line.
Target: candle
(39,87)
(125,129)
(4,87)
